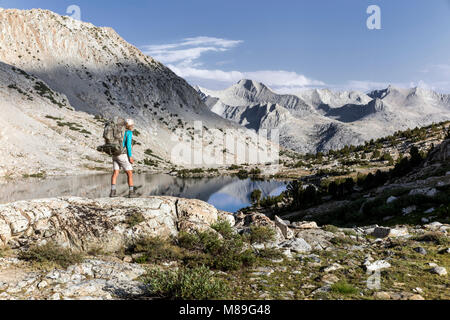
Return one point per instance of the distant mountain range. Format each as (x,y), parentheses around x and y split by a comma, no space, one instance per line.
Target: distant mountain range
(320,119)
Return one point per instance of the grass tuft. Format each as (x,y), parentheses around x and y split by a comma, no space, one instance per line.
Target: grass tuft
(343,287)
(186,284)
(51,253)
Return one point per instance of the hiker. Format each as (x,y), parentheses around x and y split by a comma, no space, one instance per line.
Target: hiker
(124,161)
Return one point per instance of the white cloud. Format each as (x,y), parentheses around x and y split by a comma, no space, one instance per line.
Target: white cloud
(184,59)
(283,78)
(268,77)
(188,50)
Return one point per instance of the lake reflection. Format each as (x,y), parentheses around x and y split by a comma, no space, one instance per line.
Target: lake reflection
(225,193)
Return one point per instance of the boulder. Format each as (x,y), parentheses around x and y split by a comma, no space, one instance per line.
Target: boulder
(420,250)
(391,199)
(285,230)
(255,219)
(195,215)
(245,221)
(437,226)
(381,295)
(382,232)
(329,279)
(226,216)
(110,224)
(303,225)
(440,153)
(298,245)
(441,271)
(318,239)
(429,192)
(409,210)
(331,268)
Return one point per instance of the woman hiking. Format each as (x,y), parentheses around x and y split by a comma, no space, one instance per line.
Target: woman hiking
(124,161)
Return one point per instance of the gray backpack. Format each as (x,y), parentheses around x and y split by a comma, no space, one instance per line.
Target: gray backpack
(113,134)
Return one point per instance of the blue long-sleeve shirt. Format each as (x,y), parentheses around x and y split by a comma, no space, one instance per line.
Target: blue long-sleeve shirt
(127,142)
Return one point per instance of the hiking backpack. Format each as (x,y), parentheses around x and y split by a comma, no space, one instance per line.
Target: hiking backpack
(113,134)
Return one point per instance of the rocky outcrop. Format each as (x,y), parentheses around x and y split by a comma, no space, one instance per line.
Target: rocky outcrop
(109,224)
(441,153)
(94,279)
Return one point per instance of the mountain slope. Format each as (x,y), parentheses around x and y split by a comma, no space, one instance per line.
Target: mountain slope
(321,120)
(101,74)
(42,134)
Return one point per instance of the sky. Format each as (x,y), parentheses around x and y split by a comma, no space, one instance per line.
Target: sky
(288,45)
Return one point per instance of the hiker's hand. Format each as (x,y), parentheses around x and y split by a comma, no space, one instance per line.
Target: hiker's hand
(131,160)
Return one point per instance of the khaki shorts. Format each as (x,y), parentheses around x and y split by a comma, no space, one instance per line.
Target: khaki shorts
(122,162)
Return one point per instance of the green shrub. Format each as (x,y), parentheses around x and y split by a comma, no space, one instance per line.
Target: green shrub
(242,174)
(4,250)
(155,249)
(255,171)
(226,253)
(186,284)
(270,201)
(224,228)
(270,253)
(53,118)
(150,163)
(35,175)
(255,196)
(261,234)
(342,241)
(330,228)
(343,287)
(435,237)
(53,254)
(134,219)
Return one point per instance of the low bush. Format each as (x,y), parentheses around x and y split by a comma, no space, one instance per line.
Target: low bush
(222,249)
(261,234)
(134,219)
(186,283)
(155,249)
(342,287)
(435,237)
(51,253)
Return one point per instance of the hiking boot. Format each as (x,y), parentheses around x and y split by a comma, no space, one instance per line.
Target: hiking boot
(133,194)
(113,194)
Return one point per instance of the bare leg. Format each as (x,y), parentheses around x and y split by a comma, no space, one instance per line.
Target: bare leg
(114,177)
(130,178)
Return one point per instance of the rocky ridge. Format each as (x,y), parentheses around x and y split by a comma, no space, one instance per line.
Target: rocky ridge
(327,120)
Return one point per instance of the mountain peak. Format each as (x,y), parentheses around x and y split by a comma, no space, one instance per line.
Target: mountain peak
(251,85)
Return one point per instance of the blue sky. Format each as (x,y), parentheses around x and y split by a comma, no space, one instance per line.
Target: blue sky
(287,44)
